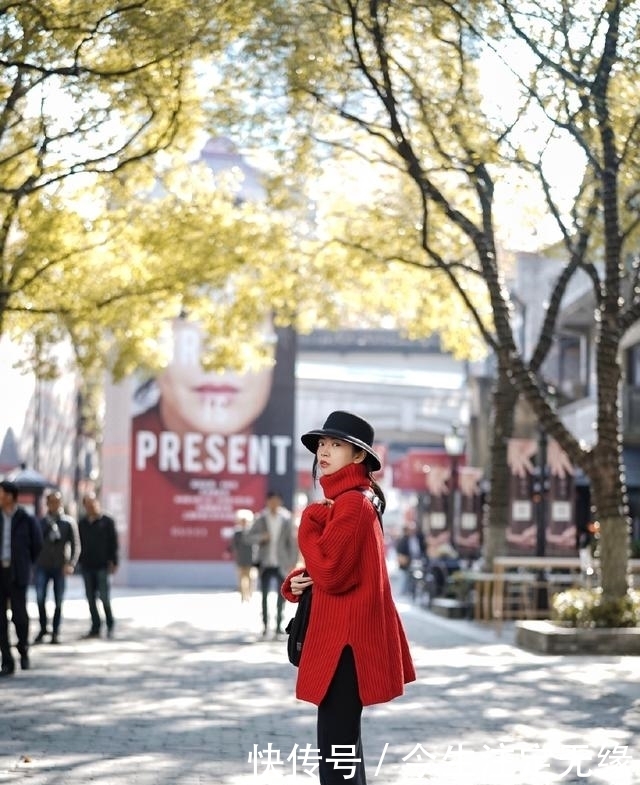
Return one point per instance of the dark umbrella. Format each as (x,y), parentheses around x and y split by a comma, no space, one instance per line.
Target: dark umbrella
(31,483)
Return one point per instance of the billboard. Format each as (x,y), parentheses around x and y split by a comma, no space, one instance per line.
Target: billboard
(204,444)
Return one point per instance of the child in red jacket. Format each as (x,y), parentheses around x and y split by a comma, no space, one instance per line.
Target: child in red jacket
(355,651)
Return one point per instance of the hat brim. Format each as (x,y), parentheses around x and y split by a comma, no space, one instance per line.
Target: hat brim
(310,441)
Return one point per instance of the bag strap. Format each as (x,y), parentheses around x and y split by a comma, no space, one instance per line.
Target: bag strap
(376,501)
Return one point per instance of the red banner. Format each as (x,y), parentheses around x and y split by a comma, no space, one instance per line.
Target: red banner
(420,470)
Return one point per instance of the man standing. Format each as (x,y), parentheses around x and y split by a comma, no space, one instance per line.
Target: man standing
(278,552)
(20,543)
(98,561)
(58,558)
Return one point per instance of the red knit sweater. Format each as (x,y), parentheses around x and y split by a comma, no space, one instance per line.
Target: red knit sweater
(343,550)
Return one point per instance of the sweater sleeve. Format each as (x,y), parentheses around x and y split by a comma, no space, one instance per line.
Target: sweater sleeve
(285,589)
(331,550)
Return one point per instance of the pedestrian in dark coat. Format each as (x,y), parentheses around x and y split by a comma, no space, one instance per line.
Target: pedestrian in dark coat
(355,651)
(20,544)
(98,561)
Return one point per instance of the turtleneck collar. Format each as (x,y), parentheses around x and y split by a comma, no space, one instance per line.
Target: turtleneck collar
(353,475)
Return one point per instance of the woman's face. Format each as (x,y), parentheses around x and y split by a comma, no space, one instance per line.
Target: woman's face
(333,454)
(192,399)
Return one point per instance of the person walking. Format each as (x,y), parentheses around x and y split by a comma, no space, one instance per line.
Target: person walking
(57,559)
(98,562)
(20,544)
(243,552)
(355,652)
(273,532)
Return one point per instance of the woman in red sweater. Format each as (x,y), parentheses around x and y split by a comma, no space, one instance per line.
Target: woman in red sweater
(355,651)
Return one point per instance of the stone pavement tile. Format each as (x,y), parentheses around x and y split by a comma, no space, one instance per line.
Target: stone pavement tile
(187,690)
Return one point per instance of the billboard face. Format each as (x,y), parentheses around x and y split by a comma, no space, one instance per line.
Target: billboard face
(204,444)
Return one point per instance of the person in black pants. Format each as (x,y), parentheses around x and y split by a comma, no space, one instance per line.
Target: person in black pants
(355,652)
(20,544)
(98,561)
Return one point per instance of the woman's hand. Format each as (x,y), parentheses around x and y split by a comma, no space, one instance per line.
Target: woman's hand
(299,583)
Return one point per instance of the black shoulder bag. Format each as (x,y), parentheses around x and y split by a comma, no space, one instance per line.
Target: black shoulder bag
(296,629)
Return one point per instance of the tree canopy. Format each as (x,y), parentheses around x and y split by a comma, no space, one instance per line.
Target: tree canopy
(92,96)
(108,228)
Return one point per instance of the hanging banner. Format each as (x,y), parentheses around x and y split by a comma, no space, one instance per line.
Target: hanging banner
(561,533)
(556,495)
(468,520)
(204,444)
(521,526)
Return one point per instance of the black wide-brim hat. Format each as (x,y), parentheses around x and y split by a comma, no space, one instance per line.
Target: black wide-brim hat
(350,428)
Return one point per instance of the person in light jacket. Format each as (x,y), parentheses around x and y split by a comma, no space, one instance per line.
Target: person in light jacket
(355,652)
(273,532)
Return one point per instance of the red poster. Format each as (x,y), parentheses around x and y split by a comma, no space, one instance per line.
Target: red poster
(204,444)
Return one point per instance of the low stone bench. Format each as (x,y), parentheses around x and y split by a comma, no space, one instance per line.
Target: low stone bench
(545,637)
(451,608)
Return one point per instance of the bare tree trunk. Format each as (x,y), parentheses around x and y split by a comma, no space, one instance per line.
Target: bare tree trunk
(496,512)
(609,506)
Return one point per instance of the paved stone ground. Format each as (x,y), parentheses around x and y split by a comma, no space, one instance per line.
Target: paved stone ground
(187,690)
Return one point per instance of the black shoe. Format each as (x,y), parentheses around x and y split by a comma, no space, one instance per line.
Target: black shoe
(91,634)
(24,662)
(54,639)
(7,670)
(40,636)
(110,633)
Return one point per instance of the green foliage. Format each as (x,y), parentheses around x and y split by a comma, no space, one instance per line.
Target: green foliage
(91,95)
(582,607)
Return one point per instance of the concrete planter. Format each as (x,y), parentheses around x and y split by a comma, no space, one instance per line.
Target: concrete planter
(545,637)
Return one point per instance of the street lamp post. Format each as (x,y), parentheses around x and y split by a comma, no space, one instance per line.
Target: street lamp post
(540,497)
(540,506)
(454,447)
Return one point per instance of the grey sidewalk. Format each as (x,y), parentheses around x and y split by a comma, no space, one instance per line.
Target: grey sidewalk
(187,691)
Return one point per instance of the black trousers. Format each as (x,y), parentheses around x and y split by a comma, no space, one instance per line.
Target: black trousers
(96,584)
(14,597)
(271,577)
(339,717)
